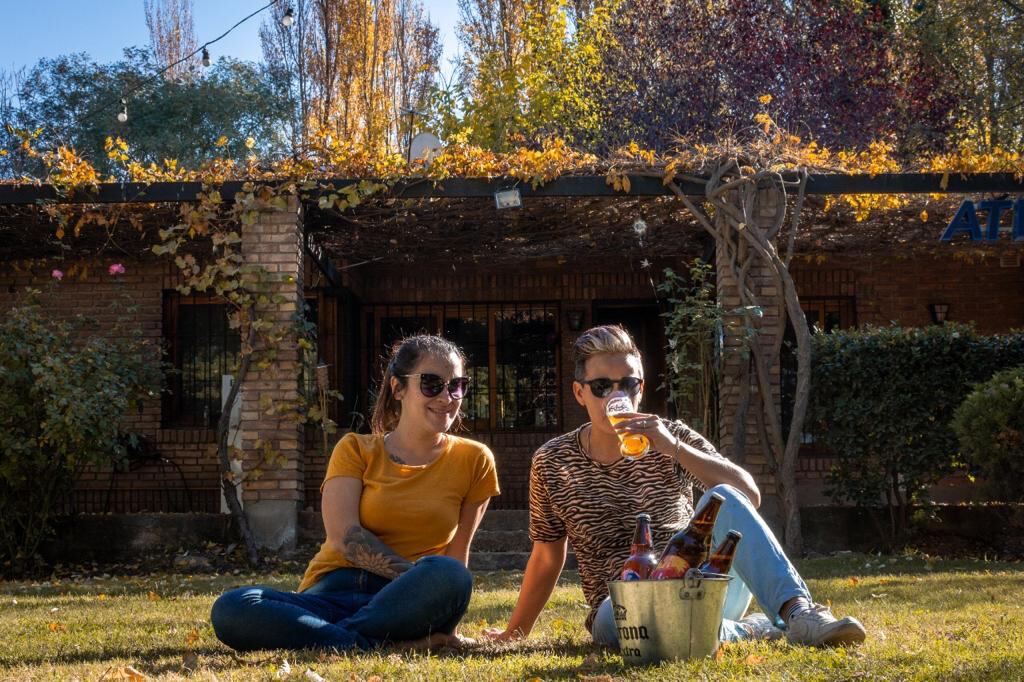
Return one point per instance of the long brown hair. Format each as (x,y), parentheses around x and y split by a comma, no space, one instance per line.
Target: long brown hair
(405,355)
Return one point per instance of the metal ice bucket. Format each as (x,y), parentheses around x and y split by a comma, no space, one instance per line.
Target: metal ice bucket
(661,620)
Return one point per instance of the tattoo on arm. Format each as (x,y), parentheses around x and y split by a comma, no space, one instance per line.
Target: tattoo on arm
(365,550)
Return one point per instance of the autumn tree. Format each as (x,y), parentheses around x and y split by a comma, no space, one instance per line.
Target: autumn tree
(352,67)
(979,44)
(844,72)
(231,112)
(529,70)
(172,36)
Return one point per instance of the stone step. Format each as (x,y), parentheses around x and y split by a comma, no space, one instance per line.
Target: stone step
(502,541)
(506,519)
(508,561)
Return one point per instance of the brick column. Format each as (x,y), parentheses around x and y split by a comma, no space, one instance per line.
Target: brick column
(768,203)
(272,500)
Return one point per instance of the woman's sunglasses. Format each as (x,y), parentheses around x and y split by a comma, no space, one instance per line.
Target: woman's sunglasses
(431,385)
(601,387)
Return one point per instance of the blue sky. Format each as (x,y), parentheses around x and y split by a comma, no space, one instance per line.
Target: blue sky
(102,28)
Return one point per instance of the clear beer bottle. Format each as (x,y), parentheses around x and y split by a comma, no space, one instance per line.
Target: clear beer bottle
(721,558)
(641,559)
(690,547)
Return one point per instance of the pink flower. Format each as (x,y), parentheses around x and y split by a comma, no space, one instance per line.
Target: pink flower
(116,269)
(57,275)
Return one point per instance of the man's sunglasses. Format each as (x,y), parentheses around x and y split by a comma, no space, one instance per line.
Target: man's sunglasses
(431,385)
(601,387)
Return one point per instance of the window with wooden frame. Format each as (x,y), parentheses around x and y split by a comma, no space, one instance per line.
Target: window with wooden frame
(202,350)
(824,315)
(511,349)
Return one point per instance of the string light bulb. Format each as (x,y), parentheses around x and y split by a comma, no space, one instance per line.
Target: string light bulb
(122,116)
(206,58)
(289,17)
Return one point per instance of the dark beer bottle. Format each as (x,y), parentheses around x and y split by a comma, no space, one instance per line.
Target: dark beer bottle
(690,547)
(721,558)
(641,559)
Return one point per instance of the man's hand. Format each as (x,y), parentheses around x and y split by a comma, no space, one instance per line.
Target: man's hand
(499,635)
(650,425)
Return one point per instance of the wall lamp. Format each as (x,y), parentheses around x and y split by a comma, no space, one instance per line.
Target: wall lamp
(939,311)
(508,198)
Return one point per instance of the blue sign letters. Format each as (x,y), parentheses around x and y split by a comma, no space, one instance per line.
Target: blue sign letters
(966,220)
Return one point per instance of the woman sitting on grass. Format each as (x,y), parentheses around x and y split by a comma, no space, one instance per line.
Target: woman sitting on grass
(400,507)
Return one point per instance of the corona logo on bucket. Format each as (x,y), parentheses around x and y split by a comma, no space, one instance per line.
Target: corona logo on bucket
(659,620)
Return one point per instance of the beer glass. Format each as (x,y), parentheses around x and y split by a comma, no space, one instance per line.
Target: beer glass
(631,445)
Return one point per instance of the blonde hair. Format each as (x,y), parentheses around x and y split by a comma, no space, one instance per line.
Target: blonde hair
(605,340)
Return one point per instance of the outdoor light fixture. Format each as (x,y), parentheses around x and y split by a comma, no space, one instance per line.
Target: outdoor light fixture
(508,198)
(575,318)
(206,58)
(122,115)
(939,312)
(289,17)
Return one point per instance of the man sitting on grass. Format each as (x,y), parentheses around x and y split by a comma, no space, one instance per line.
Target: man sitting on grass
(584,491)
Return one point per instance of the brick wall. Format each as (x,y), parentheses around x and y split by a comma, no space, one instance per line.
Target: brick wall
(87,289)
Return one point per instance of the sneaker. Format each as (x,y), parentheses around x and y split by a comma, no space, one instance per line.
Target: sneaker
(815,625)
(758,626)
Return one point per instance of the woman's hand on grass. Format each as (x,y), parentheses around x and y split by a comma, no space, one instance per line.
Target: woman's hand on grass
(499,635)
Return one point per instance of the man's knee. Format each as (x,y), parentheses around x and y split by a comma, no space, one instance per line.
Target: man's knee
(730,493)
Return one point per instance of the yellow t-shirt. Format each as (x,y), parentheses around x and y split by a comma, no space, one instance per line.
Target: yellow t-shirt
(414,510)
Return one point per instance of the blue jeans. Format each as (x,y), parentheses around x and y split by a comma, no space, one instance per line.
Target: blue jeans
(349,608)
(761,567)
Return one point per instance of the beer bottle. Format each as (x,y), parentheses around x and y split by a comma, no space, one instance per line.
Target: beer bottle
(721,558)
(689,548)
(641,559)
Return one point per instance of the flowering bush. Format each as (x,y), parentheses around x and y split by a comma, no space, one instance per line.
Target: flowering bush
(64,389)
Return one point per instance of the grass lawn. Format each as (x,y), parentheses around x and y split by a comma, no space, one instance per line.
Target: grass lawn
(926,619)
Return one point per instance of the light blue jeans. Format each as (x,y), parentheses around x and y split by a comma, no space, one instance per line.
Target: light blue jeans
(349,608)
(761,567)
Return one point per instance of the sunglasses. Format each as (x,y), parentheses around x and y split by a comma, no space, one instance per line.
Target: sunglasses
(431,385)
(601,387)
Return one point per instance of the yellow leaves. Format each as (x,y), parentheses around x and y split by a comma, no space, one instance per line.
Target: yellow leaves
(3,152)
(153,596)
(250,143)
(764,120)
(123,674)
(753,659)
(765,99)
(55,626)
(618,180)
(923,216)
(222,141)
(853,581)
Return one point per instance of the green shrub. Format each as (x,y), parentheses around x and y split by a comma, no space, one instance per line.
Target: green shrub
(882,399)
(64,390)
(990,427)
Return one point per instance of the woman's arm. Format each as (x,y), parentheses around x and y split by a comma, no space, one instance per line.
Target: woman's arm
(542,571)
(362,548)
(469,520)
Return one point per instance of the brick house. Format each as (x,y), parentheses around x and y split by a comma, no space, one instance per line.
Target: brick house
(511,287)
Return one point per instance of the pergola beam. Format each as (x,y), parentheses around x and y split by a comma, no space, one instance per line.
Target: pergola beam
(566,186)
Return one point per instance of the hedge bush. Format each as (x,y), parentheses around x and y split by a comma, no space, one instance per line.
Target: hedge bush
(882,400)
(990,427)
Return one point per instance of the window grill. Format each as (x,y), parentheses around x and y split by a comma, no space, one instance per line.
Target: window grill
(202,349)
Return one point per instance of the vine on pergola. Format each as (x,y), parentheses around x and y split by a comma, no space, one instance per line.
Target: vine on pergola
(732,193)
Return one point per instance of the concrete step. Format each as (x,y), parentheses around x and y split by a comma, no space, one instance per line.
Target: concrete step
(506,519)
(508,561)
(502,541)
